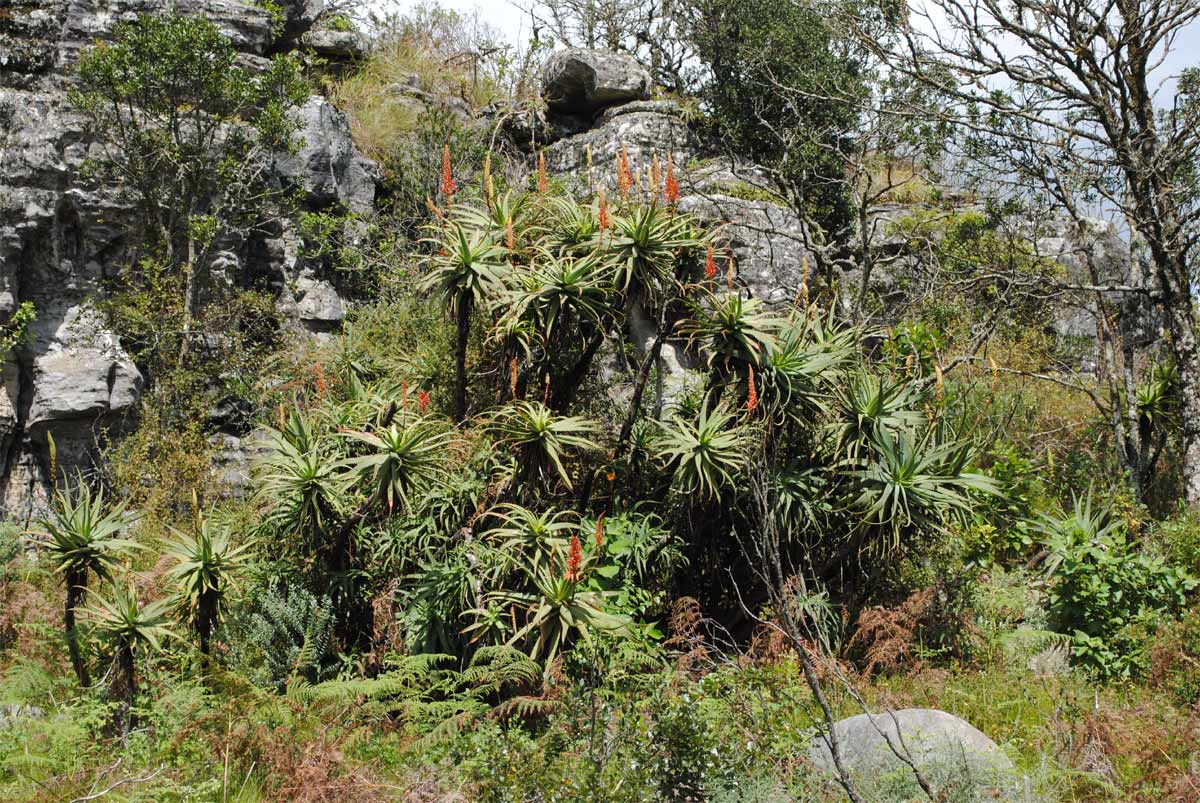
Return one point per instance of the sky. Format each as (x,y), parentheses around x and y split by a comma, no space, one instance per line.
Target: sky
(514,24)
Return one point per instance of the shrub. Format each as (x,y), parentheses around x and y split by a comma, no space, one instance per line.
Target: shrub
(1105,590)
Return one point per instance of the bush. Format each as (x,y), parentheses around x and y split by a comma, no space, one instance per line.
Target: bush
(282,634)
(1106,591)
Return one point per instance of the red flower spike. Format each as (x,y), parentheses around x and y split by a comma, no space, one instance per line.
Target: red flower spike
(320,381)
(671,190)
(624,175)
(449,187)
(752,394)
(423,400)
(574,561)
(604,221)
(710,264)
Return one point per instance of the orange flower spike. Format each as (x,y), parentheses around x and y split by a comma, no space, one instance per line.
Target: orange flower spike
(320,381)
(574,561)
(434,209)
(599,533)
(512,376)
(604,221)
(541,177)
(624,174)
(671,189)
(752,393)
(512,237)
(449,187)
(423,400)
(488,185)
(710,264)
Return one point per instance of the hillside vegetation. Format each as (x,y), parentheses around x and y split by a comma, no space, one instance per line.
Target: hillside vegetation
(567,509)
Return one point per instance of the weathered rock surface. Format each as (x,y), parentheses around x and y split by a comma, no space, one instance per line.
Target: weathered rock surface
(948,750)
(327,165)
(579,81)
(59,242)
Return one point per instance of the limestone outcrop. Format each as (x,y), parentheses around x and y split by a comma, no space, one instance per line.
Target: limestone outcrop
(60,242)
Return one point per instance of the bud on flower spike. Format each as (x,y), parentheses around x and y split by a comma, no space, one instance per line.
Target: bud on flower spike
(574,560)
(448,185)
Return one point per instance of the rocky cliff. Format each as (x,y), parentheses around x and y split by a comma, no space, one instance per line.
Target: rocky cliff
(60,241)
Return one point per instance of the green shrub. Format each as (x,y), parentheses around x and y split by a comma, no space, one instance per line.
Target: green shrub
(1106,591)
(281,634)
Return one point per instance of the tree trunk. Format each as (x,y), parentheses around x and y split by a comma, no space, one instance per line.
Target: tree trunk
(1183,327)
(76,586)
(123,690)
(639,386)
(460,358)
(564,392)
(206,619)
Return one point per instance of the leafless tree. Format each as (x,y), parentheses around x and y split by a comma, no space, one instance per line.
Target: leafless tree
(1072,98)
(647,29)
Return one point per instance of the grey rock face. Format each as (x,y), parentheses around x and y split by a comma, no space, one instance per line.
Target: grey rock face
(766,241)
(328,166)
(579,81)
(59,241)
(948,750)
(336,45)
(659,130)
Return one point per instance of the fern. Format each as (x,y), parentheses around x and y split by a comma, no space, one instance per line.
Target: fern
(420,692)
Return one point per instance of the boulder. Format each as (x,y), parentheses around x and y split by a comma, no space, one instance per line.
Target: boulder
(336,45)
(327,165)
(579,81)
(948,751)
(766,241)
(643,132)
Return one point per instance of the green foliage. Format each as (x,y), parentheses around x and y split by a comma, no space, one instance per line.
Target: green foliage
(704,455)
(780,86)
(541,440)
(406,458)
(15,331)
(282,635)
(207,563)
(83,529)
(1104,588)
(123,621)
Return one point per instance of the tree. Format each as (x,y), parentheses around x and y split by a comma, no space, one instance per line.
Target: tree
(207,562)
(83,530)
(1070,98)
(468,269)
(781,87)
(127,625)
(187,135)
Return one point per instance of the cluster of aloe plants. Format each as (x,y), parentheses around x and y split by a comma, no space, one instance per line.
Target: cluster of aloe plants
(482,506)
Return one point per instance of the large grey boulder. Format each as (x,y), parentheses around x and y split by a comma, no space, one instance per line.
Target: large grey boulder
(642,131)
(579,81)
(327,165)
(949,751)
